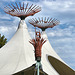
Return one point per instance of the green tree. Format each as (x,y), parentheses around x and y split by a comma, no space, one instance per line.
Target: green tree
(3,40)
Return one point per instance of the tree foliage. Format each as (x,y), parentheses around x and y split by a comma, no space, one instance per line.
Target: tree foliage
(3,40)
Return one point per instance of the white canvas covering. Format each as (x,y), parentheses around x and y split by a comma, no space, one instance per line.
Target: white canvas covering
(49,52)
(18,53)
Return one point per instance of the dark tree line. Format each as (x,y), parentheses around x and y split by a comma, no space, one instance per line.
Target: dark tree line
(3,40)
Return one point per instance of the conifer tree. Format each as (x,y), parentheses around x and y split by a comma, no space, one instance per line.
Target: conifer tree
(3,40)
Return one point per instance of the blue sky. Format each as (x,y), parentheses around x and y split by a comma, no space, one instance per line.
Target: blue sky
(61,37)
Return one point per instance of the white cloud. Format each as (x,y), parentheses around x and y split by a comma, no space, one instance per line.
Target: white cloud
(7,31)
(7,17)
(3,29)
(58,32)
(9,1)
(8,27)
(62,10)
